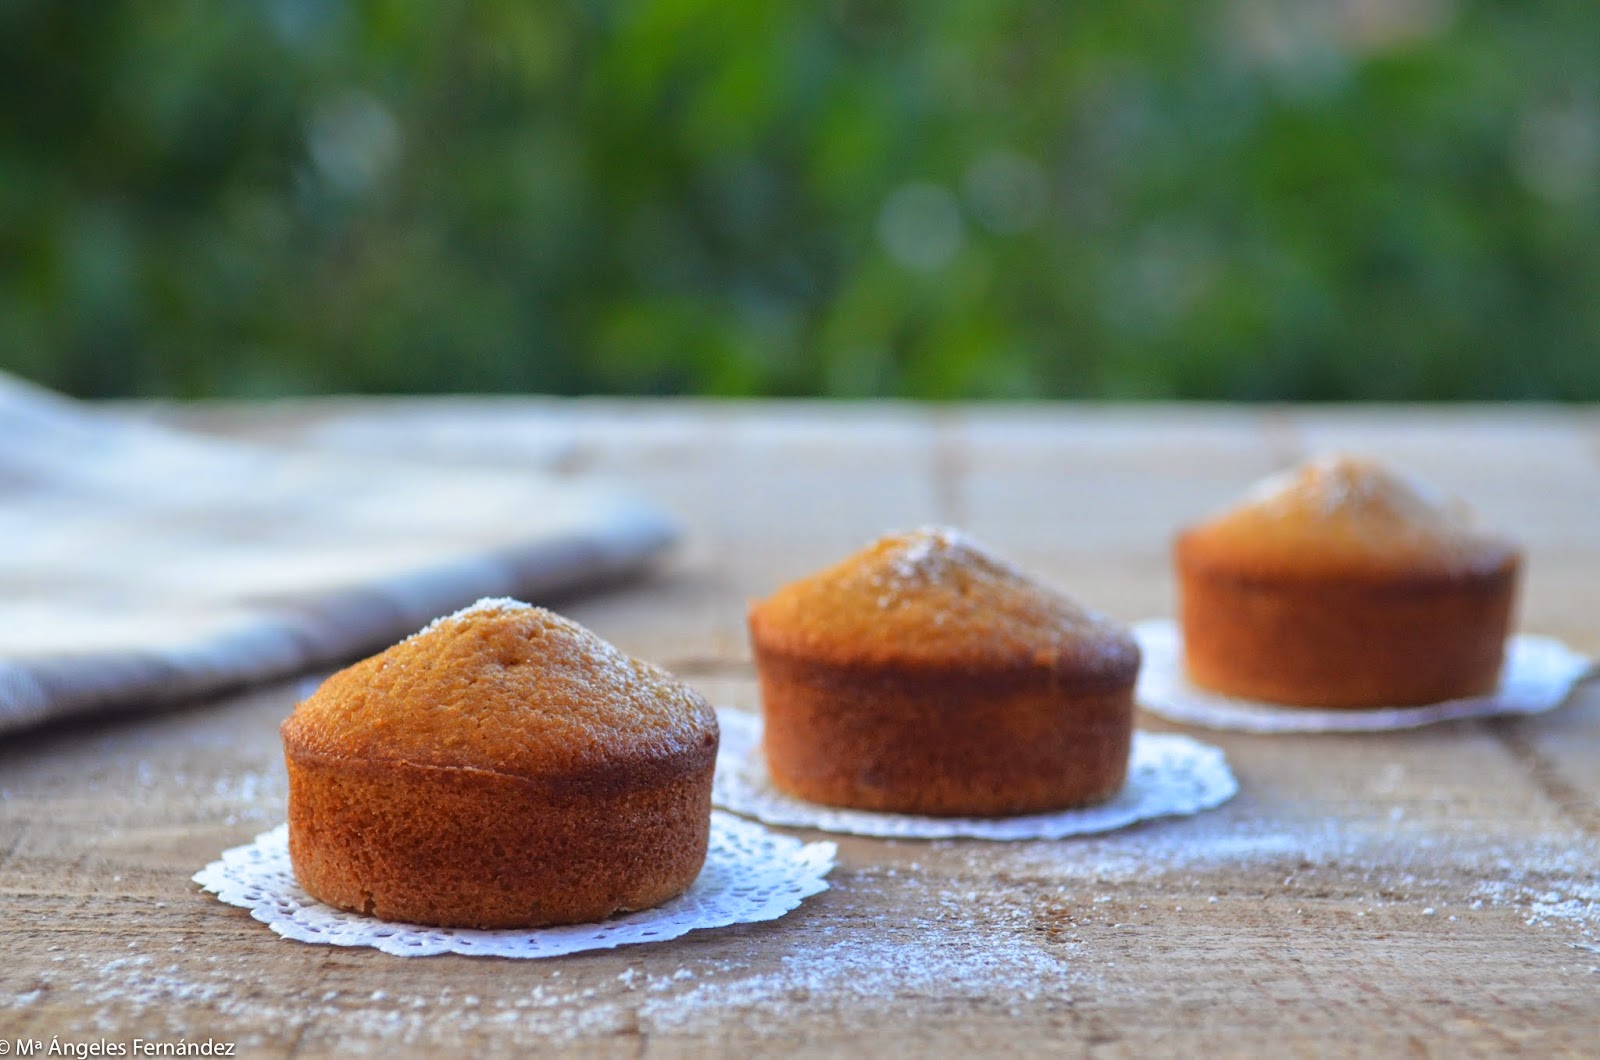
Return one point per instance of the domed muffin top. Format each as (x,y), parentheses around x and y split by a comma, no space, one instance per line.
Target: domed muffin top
(1346,514)
(935,598)
(513,689)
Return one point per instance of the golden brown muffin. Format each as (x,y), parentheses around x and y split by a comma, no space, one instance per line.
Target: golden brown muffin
(1342,584)
(503,768)
(926,675)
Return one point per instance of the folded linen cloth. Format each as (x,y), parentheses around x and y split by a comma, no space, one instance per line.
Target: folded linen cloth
(140,565)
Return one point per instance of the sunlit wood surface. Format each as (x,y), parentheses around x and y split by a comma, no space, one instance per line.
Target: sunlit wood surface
(1425,893)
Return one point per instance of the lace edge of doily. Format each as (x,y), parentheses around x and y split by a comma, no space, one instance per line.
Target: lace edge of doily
(1065,824)
(819,858)
(1192,706)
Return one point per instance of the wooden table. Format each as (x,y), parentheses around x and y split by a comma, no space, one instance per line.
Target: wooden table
(1430,893)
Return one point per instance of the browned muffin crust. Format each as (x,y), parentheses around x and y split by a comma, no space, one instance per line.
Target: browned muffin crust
(1343,585)
(503,768)
(926,675)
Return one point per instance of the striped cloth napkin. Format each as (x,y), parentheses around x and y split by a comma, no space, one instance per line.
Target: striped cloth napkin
(142,565)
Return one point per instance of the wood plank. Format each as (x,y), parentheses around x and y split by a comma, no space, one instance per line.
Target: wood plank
(1430,892)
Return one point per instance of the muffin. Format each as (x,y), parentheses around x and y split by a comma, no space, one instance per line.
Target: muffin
(1342,584)
(503,768)
(927,675)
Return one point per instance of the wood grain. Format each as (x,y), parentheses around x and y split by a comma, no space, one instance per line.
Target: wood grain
(1427,893)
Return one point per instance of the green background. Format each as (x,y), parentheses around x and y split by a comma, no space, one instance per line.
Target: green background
(1392,199)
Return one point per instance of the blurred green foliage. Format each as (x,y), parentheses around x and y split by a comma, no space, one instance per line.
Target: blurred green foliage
(1249,199)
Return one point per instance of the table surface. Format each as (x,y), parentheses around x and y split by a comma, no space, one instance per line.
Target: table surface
(1427,892)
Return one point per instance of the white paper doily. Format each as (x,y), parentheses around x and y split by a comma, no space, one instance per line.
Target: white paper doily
(1539,675)
(751,874)
(1168,775)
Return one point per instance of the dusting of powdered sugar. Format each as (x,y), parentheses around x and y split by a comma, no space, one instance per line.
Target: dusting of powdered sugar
(922,944)
(1546,902)
(929,553)
(902,931)
(613,663)
(489,605)
(861,980)
(937,555)
(1339,482)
